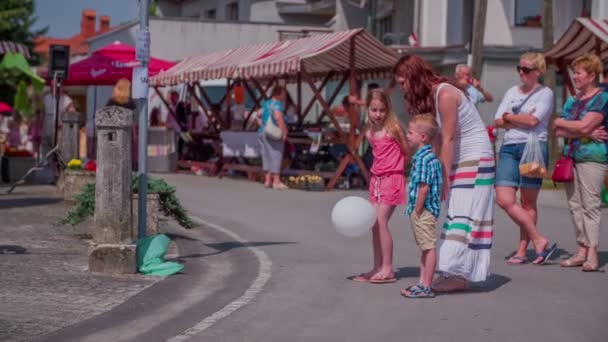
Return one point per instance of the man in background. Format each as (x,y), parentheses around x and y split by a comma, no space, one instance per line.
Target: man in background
(48,126)
(475,91)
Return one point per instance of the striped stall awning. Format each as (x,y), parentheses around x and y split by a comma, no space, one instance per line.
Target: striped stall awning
(317,55)
(585,35)
(6,46)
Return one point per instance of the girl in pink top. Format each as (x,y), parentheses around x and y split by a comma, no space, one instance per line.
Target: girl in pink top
(387,184)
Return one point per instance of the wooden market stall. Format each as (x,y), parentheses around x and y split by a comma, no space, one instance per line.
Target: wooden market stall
(314,61)
(585,35)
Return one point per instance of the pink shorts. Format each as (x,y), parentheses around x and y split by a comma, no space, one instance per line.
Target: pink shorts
(387,189)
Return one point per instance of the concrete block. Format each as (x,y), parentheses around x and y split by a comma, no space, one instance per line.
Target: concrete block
(72,182)
(113,259)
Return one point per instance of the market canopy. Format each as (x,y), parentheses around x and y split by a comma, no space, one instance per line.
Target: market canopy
(585,35)
(109,64)
(317,55)
(6,47)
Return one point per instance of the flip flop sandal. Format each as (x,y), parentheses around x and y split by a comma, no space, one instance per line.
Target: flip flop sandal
(545,255)
(510,255)
(520,260)
(590,266)
(573,261)
(280,186)
(418,291)
(382,280)
(360,278)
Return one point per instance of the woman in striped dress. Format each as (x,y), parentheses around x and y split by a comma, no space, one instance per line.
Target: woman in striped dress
(467,159)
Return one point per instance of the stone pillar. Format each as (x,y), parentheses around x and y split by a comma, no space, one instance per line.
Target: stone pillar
(113,250)
(70,136)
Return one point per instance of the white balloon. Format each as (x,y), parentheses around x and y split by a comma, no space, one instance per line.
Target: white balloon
(353,216)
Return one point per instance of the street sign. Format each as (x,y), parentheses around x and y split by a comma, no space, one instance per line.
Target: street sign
(142,45)
(140,83)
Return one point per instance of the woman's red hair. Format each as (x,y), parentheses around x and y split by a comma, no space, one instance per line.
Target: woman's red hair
(420,77)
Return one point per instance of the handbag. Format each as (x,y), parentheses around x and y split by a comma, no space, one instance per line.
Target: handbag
(516,109)
(563,172)
(272,131)
(564,169)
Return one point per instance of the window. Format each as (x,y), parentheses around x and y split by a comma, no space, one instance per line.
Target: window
(528,12)
(210,14)
(384,26)
(232,11)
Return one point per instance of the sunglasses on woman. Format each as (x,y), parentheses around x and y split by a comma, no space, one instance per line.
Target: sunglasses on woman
(525,70)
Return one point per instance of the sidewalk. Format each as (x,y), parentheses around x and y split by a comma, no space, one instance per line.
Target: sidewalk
(44,279)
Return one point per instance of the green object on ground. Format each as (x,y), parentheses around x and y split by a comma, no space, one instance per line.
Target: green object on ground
(150,256)
(605,196)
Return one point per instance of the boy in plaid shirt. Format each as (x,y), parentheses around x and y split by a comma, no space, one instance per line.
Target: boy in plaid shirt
(424,201)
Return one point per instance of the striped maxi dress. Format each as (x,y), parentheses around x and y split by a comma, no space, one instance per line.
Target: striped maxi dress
(466,238)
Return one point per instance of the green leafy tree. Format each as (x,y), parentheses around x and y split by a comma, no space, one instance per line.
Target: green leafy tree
(16,22)
(152,8)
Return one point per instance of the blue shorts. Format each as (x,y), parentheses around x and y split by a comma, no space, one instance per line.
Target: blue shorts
(507,172)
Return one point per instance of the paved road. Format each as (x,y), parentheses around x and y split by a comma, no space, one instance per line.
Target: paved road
(308,297)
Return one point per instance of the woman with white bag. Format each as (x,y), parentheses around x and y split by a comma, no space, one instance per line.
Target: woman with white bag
(525,112)
(273,133)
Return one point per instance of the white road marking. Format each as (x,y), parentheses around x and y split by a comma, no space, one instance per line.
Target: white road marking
(255,288)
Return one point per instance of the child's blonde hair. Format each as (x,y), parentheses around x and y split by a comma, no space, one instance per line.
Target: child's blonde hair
(426,123)
(391,123)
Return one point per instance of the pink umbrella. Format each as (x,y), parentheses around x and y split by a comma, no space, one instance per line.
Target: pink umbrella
(5,108)
(109,64)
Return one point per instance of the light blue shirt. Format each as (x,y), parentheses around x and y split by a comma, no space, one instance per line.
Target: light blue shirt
(475,95)
(268,108)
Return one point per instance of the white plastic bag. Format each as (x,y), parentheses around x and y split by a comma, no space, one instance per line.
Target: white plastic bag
(532,163)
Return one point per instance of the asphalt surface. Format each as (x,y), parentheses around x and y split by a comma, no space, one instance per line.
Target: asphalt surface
(309,298)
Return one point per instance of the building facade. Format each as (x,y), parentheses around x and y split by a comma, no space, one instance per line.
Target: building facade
(442,29)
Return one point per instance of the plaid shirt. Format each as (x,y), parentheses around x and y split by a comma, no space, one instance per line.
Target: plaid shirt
(426,168)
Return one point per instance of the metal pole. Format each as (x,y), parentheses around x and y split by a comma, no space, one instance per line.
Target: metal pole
(143,131)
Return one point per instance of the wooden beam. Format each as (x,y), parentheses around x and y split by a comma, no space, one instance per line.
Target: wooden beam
(344,163)
(228,96)
(479,28)
(299,100)
(210,117)
(350,144)
(335,94)
(319,97)
(256,105)
(312,101)
(217,116)
(263,90)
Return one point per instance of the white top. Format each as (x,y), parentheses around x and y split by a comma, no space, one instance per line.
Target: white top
(471,140)
(542,104)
